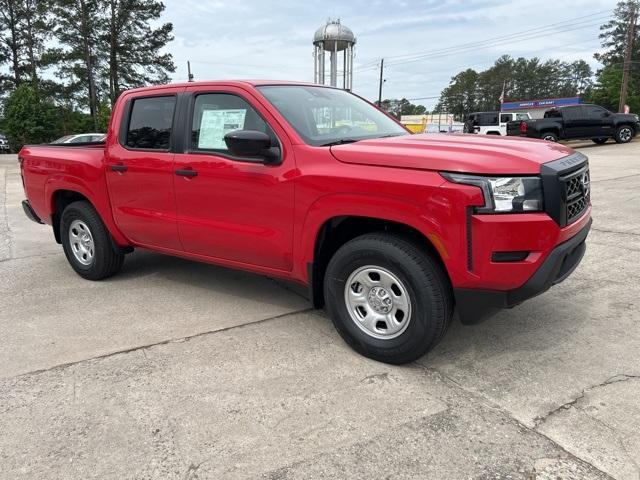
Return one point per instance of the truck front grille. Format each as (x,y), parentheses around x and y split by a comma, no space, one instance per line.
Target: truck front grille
(567,187)
(577,186)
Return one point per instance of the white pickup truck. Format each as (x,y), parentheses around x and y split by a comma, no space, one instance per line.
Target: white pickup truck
(492,123)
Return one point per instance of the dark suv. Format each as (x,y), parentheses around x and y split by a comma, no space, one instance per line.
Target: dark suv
(579,122)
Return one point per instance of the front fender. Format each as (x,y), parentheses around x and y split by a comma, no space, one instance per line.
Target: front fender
(362,205)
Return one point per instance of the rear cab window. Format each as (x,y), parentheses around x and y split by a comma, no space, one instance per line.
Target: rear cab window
(150,123)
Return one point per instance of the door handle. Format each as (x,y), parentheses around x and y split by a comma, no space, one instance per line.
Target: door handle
(119,168)
(187,173)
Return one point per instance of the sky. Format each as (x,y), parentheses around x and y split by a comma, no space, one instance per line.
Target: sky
(231,39)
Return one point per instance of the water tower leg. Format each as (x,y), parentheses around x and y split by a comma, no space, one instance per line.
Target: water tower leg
(333,59)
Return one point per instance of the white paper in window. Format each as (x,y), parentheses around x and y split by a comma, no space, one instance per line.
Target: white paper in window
(215,124)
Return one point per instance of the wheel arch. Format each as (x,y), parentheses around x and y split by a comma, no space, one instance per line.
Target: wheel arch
(59,200)
(338,230)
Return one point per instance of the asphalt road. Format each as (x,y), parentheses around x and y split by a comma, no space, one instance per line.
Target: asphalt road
(175,369)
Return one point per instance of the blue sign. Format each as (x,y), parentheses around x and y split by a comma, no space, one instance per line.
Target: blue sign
(545,103)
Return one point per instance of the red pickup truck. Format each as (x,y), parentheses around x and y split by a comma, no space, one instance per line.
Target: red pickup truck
(313,184)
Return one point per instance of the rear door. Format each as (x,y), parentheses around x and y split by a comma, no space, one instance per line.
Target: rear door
(574,122)
(505,118)
(140,171)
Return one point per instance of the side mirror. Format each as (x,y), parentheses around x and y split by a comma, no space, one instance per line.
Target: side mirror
(606,114)
(251,143)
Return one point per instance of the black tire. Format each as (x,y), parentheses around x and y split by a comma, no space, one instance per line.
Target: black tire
(599,141)
(549,137)
(105,260)
(624,134)
(428,289)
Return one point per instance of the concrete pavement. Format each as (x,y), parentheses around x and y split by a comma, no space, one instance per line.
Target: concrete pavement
(175,369)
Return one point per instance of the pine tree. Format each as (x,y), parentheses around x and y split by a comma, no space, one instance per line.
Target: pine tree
(614,38)
(10,42)
(134,45)
(80,59)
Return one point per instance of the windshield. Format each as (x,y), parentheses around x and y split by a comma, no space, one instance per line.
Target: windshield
(323,116)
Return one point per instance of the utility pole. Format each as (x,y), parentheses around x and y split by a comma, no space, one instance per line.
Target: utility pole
(190,75)
(627,59)
(381,81)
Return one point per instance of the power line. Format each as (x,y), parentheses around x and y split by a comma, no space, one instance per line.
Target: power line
(571,21)
(479,47)
(463,48)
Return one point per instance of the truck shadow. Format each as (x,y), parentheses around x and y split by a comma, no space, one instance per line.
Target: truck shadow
(150,266)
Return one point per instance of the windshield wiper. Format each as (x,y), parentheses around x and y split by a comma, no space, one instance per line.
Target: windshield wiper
(342,141)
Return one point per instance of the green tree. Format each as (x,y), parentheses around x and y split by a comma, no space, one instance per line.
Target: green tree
(28,118)
(134,45)
(397,108)
(80,58)
(521,78)
(10,42)
(25,27)
(613,36)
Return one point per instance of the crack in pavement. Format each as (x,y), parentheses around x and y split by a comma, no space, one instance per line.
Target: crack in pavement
(488,403)
(621,377)
(615,178)
(602,230)
(187,338)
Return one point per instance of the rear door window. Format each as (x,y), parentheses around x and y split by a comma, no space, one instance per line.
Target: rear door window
(489,118)
(572,113)
(150,123)
(505,117)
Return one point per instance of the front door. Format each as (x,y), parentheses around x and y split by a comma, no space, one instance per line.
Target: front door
(599,122)
(140,172)
(231,208)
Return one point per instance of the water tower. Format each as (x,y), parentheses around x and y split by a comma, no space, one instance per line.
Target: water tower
(333,38)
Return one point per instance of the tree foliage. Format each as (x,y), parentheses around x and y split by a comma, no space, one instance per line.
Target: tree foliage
(28,118)
(397,108)
(613,36)
(78,55)
(133,45)
(521,78)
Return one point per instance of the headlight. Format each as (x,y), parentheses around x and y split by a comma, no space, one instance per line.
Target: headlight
(504,194)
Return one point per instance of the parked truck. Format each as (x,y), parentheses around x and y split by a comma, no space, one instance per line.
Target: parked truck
(389,231)
(578,122)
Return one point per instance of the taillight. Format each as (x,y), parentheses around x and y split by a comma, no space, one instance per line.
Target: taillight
(523,127)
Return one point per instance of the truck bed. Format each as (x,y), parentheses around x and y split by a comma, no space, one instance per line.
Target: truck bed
(45,168)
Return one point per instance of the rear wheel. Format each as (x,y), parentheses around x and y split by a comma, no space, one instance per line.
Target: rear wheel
(624,134)
(550,137)
(87,243)
(600,141)
(387,297)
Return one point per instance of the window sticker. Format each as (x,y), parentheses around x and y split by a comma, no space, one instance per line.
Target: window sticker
(215,124)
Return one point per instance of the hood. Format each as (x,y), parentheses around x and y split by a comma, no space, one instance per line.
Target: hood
(631,117)
(482,154)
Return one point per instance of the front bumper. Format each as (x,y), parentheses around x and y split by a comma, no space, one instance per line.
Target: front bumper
(474,305)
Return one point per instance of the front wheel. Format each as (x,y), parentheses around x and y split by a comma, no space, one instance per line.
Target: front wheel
(624,134)
(388,298)
(87,243)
